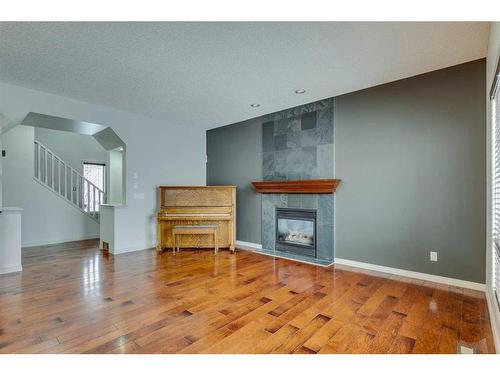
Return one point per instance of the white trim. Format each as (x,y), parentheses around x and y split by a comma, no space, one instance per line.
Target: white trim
(11,210)
(249,244)
(63,240)
(12,269)
(494,312)
(414,275)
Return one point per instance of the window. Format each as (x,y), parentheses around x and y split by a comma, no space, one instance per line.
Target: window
(93,192)
(495,178)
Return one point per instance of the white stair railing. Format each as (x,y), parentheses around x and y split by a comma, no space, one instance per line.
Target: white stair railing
(56,175)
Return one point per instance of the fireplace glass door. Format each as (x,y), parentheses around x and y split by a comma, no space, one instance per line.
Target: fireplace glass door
(296,231)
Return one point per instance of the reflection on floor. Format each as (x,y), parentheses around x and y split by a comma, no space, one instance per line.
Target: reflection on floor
(72,298)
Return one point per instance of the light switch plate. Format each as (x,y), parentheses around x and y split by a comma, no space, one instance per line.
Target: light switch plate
(434,256)
(138,195)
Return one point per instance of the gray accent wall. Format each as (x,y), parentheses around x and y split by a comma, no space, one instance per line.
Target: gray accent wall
(234,157)
(411,155)
(412,158)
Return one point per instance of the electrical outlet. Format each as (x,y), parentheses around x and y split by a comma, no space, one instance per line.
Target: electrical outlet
(434,256)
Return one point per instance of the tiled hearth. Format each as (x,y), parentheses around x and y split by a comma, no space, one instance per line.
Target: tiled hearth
(298,144)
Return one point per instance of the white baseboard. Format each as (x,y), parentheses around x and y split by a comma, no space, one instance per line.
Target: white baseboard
(414,275)
(494,311)
(13,269)
(249,244)
(124,250)
(62,240)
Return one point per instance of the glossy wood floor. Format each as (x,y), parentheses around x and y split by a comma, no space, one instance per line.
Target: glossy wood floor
(72,298)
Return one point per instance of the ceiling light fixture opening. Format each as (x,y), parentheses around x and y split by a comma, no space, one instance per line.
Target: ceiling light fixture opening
(255,105)
(300,91)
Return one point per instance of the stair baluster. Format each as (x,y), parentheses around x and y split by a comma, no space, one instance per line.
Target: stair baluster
(52,172)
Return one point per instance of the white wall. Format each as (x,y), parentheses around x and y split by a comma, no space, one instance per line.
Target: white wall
(158,153)
(73,148)
(46,217)
(491,64)
(115,164)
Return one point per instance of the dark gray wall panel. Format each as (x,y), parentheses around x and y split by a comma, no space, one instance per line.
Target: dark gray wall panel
(412,158)
(411,155)
(235,158)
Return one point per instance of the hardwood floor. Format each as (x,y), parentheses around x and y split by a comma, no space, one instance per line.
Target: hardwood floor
(72,298)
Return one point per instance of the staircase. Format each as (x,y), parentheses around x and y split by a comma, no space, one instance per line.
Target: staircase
(56,175)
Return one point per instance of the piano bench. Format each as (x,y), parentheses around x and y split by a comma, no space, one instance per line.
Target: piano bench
(195,230)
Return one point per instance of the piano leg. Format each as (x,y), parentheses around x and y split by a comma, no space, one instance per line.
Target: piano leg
(232,249)
(159,249)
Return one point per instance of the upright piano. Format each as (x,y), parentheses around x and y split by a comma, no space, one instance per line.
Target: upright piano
(197,205)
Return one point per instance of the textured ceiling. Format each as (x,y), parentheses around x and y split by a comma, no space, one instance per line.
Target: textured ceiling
(208,74)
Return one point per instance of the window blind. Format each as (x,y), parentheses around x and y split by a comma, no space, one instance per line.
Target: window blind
(495,177)
(496,197)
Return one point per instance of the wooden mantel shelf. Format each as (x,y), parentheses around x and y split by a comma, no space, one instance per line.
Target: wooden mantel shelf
(323,186)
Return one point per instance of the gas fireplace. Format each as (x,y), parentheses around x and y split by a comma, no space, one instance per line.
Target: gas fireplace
(296,231)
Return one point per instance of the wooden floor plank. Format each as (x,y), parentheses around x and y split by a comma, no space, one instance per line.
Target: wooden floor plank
(73,298)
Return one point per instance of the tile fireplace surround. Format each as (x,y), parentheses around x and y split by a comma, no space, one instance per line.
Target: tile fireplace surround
(298,144)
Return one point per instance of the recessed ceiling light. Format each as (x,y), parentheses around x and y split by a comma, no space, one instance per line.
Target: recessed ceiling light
(300,91)
(255,105)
